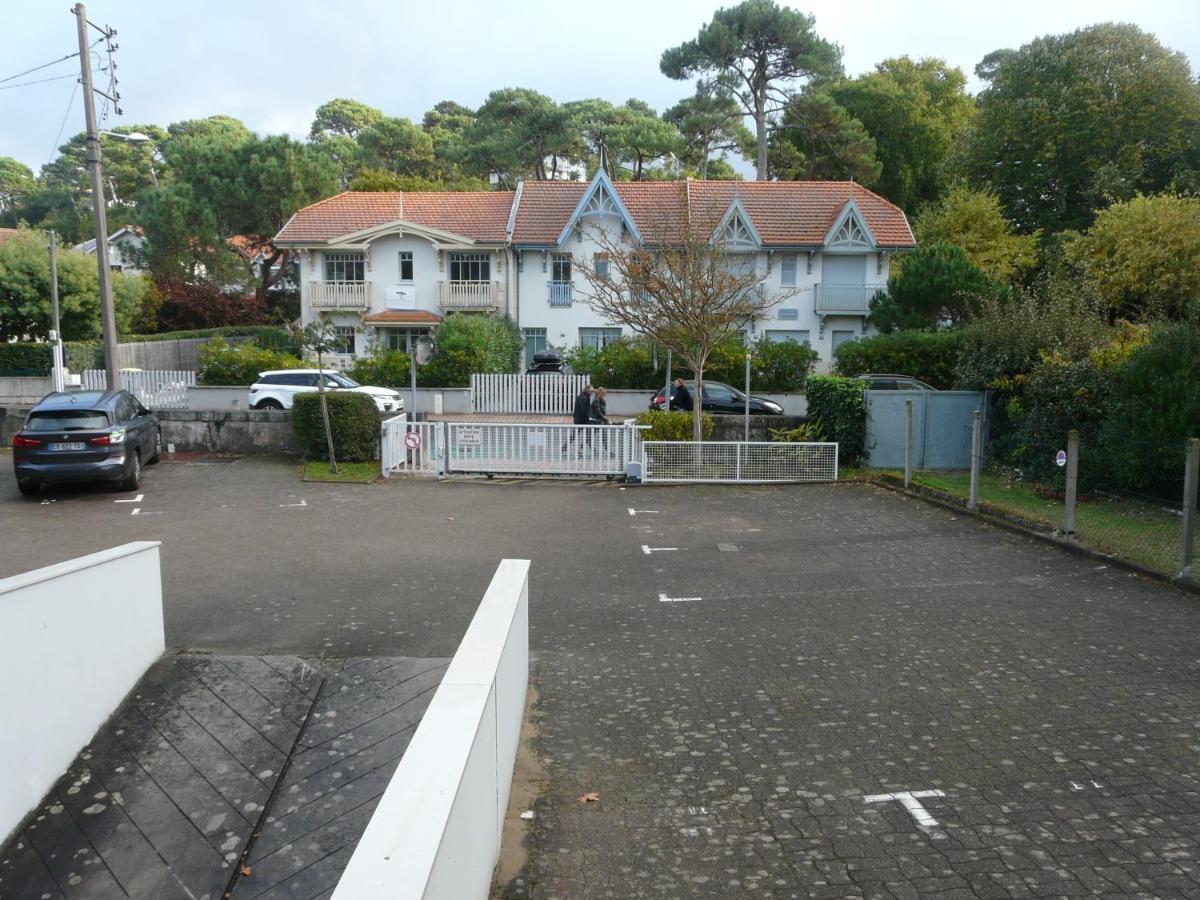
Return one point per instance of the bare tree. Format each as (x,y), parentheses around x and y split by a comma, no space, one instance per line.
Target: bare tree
(685,287)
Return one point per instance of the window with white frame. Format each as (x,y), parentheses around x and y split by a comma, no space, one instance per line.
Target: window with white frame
(560,267)
(598,338)
(787,271)
(470,267)
(345,267)
(406,265)
(344,339)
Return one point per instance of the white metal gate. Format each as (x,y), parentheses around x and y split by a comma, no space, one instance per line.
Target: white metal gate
(540,449)
(745,462)
(157,389)
(548,394)
(422,454)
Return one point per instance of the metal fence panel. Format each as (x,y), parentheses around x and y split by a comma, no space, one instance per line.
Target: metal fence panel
(941,428)
(549,394)
(157,389)
(744,462)
(399,456)
(495,448)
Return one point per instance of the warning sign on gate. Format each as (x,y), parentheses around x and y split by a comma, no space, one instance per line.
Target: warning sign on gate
(412,440)
(468,436)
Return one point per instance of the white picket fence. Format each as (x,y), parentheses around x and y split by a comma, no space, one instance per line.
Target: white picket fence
(548,394)
(397,454)
(155,388)
(738,462)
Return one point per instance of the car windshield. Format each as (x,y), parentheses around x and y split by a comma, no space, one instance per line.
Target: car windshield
(342,381)
(66,420)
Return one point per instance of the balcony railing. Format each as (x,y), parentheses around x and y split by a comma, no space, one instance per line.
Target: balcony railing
(339,294)
(846,299)
(468,294)
(560,292)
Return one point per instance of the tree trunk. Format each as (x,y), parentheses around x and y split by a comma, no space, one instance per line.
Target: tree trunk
(760,130)
(266,280)
(698,405)
(325,414)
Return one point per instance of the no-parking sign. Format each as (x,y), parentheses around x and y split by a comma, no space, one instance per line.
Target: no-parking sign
(412,440)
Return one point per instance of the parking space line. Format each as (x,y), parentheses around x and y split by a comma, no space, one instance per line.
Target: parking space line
(137,499)
(647,549)
(301,503)
(634,512)
(911,801)
(663,598)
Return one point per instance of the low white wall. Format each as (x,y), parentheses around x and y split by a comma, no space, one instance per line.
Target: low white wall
(74,639)
(436,831)
(21,389)
(454,400)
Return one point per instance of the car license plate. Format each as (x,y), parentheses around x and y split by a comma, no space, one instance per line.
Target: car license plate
(74,445)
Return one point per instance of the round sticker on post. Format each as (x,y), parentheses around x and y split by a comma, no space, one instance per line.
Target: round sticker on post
(1061,458)
(412,440)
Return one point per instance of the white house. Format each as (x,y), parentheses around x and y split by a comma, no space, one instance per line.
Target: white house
(126,250)
(386,267)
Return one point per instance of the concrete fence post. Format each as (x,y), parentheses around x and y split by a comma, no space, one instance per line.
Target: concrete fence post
(1072,481)
(1191,474)
(976,457)
(908,441)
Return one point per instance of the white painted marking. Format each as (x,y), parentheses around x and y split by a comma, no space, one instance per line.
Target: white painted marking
(47,502)
(647,549)
(137,499)
(663,598)
(1097,784)
(136,511)
(1075,787)
(301,503)
(910,800)
(634,512)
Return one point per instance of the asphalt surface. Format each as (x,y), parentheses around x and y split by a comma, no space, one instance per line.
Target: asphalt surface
(740,705)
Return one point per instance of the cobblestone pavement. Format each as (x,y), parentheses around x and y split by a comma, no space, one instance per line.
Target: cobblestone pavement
(846,642)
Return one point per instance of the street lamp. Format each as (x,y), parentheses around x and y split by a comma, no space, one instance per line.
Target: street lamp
(134,137)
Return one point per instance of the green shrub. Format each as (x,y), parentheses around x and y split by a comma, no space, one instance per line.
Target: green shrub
(222,364)
(803,433)
(353,419)
(781,367)
(624,364)
(673,426)
(82,355)
(383,368)
(838,404)
(931,356)
(271,336)
(469,343)
(26,358)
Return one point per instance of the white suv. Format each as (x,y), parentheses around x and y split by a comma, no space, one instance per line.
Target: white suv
(275,389)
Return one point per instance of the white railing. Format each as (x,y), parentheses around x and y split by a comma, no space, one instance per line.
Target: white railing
(742,462)
(468,294)
(401,454)
(436,831)
(157,389)
(549,394)
(339,294)
(561,293)
(494,448)
(849,299)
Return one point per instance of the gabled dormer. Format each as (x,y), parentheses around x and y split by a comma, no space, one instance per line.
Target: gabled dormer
(849,232)
(600,199)
(736,230)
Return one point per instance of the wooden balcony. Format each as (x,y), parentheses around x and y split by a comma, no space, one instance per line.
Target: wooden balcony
(845,299)
(468,295)
(339,295)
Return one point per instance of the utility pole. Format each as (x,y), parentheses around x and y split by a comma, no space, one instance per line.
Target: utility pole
(108,321)
(56,345)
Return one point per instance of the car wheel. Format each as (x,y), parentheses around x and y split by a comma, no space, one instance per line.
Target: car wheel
(135,474)
(29,488)
(269,404)
(157,447)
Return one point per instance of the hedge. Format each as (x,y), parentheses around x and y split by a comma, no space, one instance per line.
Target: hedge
(270,336)
(837,403)
(931,356)
(674,426)
(353,419)
(26,358)
(225,365)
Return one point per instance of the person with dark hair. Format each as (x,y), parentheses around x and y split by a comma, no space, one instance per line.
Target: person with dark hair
(681,398)
(581,414)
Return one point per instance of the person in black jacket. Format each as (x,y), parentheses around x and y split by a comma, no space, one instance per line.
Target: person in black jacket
(681,399)
(581,414)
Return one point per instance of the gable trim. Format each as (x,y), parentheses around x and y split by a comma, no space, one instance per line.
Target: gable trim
(738,211)
(599,183)
(851,212)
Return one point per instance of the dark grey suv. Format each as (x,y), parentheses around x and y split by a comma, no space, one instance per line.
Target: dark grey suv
(85,436)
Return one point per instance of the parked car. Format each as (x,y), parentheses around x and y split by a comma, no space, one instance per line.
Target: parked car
(894,383)
(721,398)
(277,388)
(85,436)
(546,362)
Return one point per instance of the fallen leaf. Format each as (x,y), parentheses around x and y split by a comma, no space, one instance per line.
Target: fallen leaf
(246,870)
(449,518)
(590,797)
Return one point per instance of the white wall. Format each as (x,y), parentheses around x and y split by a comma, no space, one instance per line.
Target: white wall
(74,640)
(436,831)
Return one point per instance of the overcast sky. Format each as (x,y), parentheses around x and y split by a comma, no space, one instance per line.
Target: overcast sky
(271,64)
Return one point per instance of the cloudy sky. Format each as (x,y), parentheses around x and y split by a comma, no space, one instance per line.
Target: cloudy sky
(272,63)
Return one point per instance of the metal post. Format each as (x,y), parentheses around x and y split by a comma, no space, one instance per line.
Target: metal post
(908,442)
(667,395)
(1072,480)
(1191,474)
(746,410)
(412,366)
(976,457)
(737,474)
(108,321)
(56,346)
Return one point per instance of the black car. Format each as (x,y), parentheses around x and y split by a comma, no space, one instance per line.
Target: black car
(721,398)
(546,362)
(85,436)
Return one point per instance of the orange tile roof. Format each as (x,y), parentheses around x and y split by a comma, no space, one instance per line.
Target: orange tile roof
(402,317)
(785,213)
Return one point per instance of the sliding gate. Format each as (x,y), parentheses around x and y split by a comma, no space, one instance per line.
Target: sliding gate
(540,449)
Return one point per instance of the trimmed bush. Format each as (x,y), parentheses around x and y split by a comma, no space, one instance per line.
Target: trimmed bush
(472,343)
(673,426)
(25,358)
(837,403)
(353,419)
(781,367)
(82,355)
(383,368)
(270,336)
(222,364)
(931,356)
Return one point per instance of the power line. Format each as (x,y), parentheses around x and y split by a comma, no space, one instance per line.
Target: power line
(9,87)
(42,66)
(62,127)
